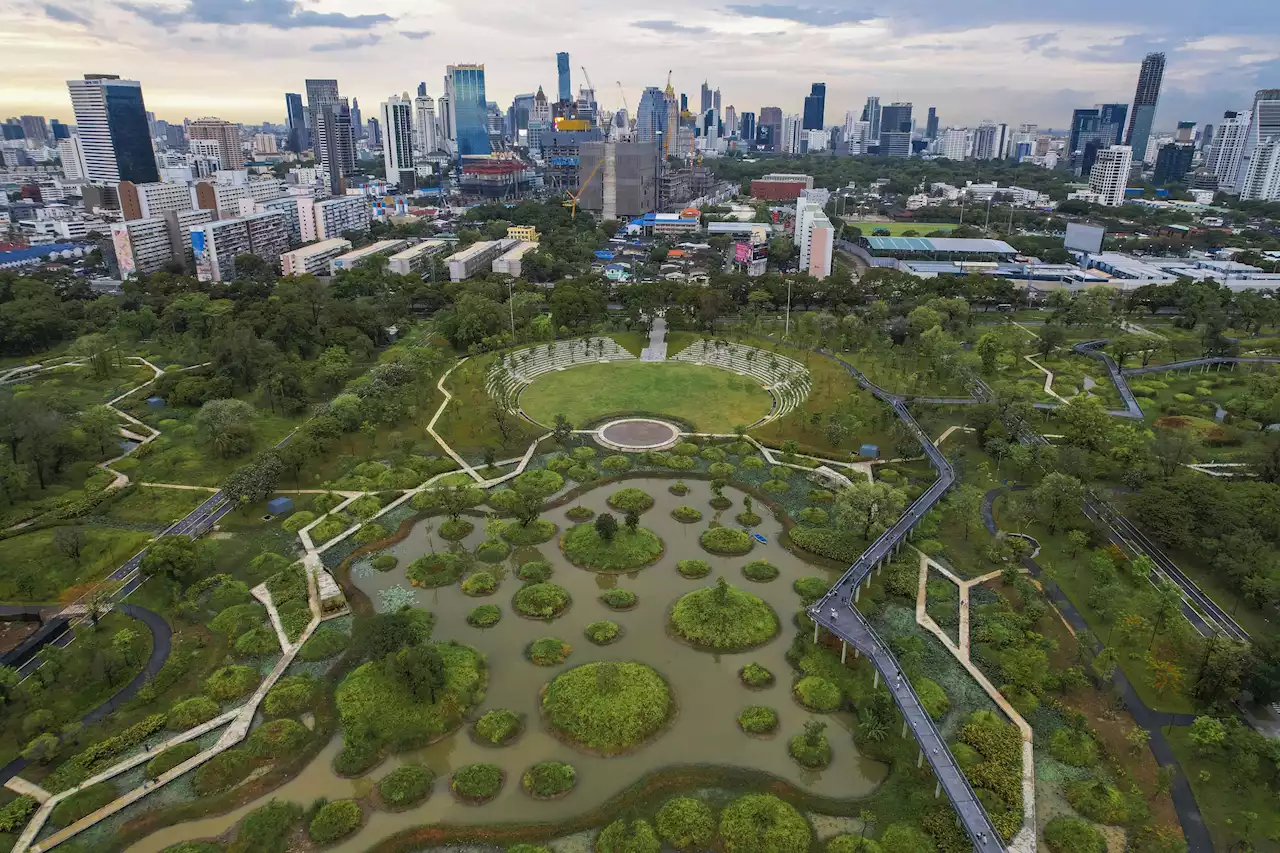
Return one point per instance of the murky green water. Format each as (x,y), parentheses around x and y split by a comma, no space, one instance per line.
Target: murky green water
(705,686)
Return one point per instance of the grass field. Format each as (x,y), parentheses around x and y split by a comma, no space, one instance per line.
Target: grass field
(895,229)
(712,399)
(1224,803)
(37,570)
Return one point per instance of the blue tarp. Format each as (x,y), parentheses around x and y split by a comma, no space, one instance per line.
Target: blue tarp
(280,505)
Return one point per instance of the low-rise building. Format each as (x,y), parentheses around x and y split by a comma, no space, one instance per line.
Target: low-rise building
(313,259)
(508,262)
(523,233)
(140,246)
(356,257)
(477,256)
(780,187)
(414,259)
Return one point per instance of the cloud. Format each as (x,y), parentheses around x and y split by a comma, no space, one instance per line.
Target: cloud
(277,14)
(350,43)
(670,27)
(801,14)
(1128,49)
(1041,41)
(66,16)
(416,35)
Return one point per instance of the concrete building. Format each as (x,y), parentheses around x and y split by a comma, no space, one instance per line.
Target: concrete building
(265,144)
(143,201)
(226,134)
(1264,124)
(1144,102)
(335,215)
(477,256)
(335,144)
(780,186)
(111,120)
(791,127)
(397,149)
(1222,160)
(71,154)
(425,126)
(313,259)
(953,143)
(986,141)
(216,244)
(1173,161)
(1262,182)
(356,257)
(1110,174)
(225,198)
(626,182)
(141,246)
(413,260)
(523,233)
(815,235)
(508,263)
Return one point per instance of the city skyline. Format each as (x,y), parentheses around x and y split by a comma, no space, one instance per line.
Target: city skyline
(962,65)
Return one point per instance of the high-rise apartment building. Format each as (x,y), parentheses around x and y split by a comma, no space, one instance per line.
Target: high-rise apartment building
(35,128)
(1110,174)
(469,111)
(335,215)
(319,93)
(146,201)
(1222,158)
(871,114)
(1264,124)
(397,128)
(1173,161)
(1144,102)
(297,139)
(72,157)
(815,106)
(815,236)
(1262,181)
(426,127)
(226,134)
(111,120)
(564,91)
(769,128)
(335,144)
(931,124)
(953,143)
(217,244)
(986,141)
(791,129)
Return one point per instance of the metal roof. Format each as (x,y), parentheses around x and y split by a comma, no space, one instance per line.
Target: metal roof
(940,244)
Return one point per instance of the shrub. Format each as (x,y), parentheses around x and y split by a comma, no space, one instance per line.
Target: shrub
(685,448)
(231,682)
(492,551)
(755,675)
(238,618)
(811,749)
(190,713)
(266,829)
(334,821)
(539,481)
(291,695)
(1073,835)
(83,803)
(365,507)
(534,533)
(477,783)
(171,758)
(603,633)
(481,583)
(528,848)
(329,527)
(15,814)
(724,618)
(622,837)
(821,496)
(615,464)
(813,515)
(905,838)
(712,454)
(579,514)
(996,740)
(678,489)
(1098,801)
(619,599)
(370,531)
(726,541)
(277,739)
(298,520)
(853,844)
(484,616)
(497,726)
(356,758)
(810,589)
(762,823)
(748,518)
(584,546)
(630,500)
(723,470)
(758,720)
(549,651)
(194,847)
(535,571)
(608,706)
(753,463)
(323,644)
(256,643)
(775,487)
(686,823)
(541,600)
(686,514)
(828,543)
(932,696)
(1076,748)
(406,786)
(582,473)
(451,530)
(817,694)
(221,772)
(384,562)
(433,570)
(549,779)
(761,571)
(694,568)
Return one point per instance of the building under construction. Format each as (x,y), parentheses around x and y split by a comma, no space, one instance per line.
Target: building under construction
(496,177)
(620,178)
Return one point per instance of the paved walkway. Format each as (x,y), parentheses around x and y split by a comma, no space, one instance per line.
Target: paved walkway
(657,348)
(1048,379)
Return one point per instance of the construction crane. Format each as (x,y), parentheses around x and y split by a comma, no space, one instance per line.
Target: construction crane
(625,105)
(590,85)
(575,197)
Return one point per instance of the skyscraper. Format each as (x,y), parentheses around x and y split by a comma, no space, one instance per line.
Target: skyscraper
(424,121)
(35,128)
(470,111)
(1223,156)
(815,107)
(295,120)
(1144,102)
(374,130)
(706,99)
(397,127)
(319,93)
(1173,161)
(1110,174)
(357,120)
(986,141)
(1264,124)
(564,91)
(769,128)
(871,114)
(226,134)
(651,115)
(1113,116)
(111,120)
(335,144)
(931,125)
(747,128)
(1262,180)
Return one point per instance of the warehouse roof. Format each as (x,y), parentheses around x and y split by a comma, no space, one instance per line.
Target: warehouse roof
(940,244)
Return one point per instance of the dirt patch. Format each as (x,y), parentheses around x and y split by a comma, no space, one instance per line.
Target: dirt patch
(1174,422)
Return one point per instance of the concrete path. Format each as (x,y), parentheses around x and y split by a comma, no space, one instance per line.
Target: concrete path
(1048,379)
(23,788)
(657,348)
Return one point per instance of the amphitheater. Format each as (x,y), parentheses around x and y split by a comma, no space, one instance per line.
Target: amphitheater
(786,379)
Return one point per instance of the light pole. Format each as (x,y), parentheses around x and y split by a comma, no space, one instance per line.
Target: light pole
(511,305)
(657,182)
(787,331)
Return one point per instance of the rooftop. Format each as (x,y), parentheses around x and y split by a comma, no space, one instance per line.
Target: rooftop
(956,245)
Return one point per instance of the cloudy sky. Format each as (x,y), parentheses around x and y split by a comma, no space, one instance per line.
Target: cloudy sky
(976,59)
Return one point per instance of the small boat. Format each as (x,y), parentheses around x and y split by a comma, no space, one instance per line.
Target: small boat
(759,538)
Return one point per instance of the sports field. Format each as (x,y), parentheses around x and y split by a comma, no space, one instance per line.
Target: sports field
(895,229)
(711,399)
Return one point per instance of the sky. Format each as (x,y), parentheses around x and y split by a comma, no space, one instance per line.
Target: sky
(979,59)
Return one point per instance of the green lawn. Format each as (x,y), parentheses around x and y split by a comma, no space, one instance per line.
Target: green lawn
(632,342)
(37,570)
(1224,804)
(155,507)
(714,400)
(895,229)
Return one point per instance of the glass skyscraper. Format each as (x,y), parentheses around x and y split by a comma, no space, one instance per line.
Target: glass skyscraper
(815,105)
(470,110)
(295,119)
(651,115)
(563,90)
(111,120)
(1144,104)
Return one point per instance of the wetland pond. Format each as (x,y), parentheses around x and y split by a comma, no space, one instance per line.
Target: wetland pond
(705,686)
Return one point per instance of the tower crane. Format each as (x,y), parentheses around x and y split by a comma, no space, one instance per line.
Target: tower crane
(572,204)
(625,105)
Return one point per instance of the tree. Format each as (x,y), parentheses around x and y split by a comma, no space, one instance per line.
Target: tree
(253,481)
(1057,500)
(990,346)
(813,730)
(1052,336)
(332,368)
(41,749)
(421,669)
(1077,541)
(868,505)
(174,559)
(964,505)
(1208,734)
(1138,738)
(227,425)
(563,431)
(69,541)
(1086,422)
(1174,448)
(1163,675)
(632,520)
(101,428)
(606,526)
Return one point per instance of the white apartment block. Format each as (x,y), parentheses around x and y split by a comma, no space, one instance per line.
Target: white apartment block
(414,259)
(313,259)
(508,262)
(141,246)
(397,136)
(791,130)
(1223,159)
(953,143)
(72,155)
(216,244)
(1262,181)
(354,258)
(143,201)
(1110,174)
(816,237)
(344,213)
(477,256)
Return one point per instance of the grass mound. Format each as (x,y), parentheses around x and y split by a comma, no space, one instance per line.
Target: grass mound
(694,568)
(549,651)
(758,720)
(619,599)
(631,500)
(724,618)
(609,707)
(726,541)
(433,570)
(686,515)
(541,601)
(498,726)
(547,780)
(477,783)
(762,823)
(817,694)
(406,786)
(603,633)
(484,616)
(761,571)
(627,550)
(755,675)
(335,821)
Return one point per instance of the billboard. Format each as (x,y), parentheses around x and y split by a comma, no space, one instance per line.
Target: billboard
(197,243)
(742,253)
(1084,238)
(124,250)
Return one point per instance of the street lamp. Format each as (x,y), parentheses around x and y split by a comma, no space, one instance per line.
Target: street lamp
(657,184)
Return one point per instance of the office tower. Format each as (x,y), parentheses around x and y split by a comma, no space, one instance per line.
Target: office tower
(35,128)
(747,127)
(357,120)
(1110,174)
(424,121)
(673,120)
(72,156)
(176,137)
(521,107)
(715,103)
(730,121)
(1264,124)
(335,144)
(1091,130)
(587,109)
(706,99)
(1144,102)
(1083,121)
(895,130)
(1223,156)
(931,124)
(59,130)
(815,107)
(1206,136)
(397,153)
(12,130)
(771,118)
(1262,181)
(444,124)
(564,91)
(871,114)
(1113,116)
(469,109)
(986,142)
(295,121)
(684,103)
(651,115)
(319,93)
(539,122)
(373,131)
(1186,132)
(1173,161)
(226,134)
(111,120)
